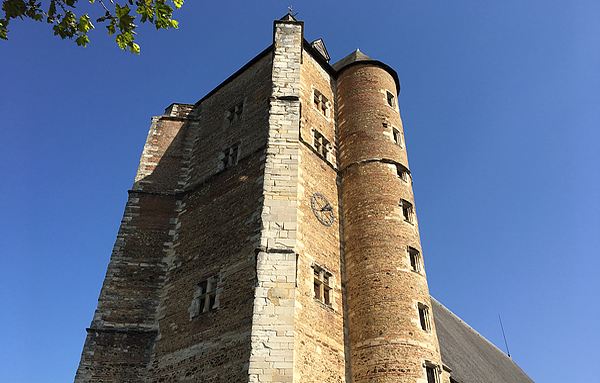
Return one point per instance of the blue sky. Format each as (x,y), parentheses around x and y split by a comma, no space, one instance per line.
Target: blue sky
(501,107)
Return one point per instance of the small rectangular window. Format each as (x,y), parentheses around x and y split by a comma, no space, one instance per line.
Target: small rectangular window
(322,285)
(230,156)
(326,290)
(391,99)
(397,137)
(321,102)
(402,172)
(415,259)
(407,211)
(424,317)
(321,144)
(205,297)
(229,116)
(234,114)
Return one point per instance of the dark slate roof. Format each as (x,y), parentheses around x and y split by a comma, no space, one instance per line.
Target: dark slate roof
(353,57)
(472,358)
(357,57)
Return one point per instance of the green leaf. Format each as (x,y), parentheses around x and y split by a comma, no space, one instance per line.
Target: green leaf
(125,40)
(119,21)
(14,8)
(67,27)
(145,10)
(82,40)
(111,27)
(51,11)
(121,11)
(4,29)
(84,24)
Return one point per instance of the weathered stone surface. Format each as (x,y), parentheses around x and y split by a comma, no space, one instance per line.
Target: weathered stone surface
(222,198)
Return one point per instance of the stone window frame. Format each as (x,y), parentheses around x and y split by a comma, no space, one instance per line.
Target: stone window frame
(397,137)
(403,173)
(321,103)
(321,144)
(234,114)
(395,134)
(424,313)
(322,285)
(432,372)
(390,99)
(206,296)
(408,211)
(415,259)
(230,156)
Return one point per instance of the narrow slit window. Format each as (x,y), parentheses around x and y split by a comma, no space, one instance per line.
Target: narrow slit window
(229,116)
(230,156)
(391,99)
(407,211)
(317,98)
(238,110)
(326,290)
(397,136)
(424,317)
(317,284)
(431,371)
(402,172)
(415,259)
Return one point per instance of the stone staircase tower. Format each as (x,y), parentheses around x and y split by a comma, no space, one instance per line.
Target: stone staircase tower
(392,336)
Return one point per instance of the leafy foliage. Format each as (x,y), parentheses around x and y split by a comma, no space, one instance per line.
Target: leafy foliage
(119,17)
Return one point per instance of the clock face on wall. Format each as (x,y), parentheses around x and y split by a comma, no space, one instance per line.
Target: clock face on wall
(322,209)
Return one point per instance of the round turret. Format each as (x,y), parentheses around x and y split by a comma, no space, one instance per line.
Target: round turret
(392,335)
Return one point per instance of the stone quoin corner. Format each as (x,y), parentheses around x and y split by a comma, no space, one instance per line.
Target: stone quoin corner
(271,235)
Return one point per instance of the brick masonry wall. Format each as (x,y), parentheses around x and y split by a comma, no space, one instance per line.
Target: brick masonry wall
(252,89)
(217,231)
(251,226)
(387,343)
(122,333)
(319,343)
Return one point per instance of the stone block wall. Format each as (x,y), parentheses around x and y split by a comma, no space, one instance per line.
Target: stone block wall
(272,356)
(216,234)
(223,193)
(319,342)
(121,336)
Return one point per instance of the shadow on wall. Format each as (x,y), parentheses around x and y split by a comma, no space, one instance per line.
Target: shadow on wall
(143,325)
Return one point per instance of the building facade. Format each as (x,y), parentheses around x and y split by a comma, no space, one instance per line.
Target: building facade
(271,236)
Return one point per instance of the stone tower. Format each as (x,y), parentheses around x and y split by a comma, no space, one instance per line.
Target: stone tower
(271,236)
(391,334)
